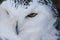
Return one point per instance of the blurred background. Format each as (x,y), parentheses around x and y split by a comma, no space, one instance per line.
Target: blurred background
(57,4)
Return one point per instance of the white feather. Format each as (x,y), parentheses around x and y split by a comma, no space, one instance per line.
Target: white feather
(40,27)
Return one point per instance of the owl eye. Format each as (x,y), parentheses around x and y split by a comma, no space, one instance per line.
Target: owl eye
(32,15)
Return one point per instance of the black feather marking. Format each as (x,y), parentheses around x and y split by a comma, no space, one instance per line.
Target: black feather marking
(17,32)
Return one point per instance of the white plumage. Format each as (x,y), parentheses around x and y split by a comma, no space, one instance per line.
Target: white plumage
(39,27)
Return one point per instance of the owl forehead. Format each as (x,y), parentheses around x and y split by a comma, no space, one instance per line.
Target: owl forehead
(26,3)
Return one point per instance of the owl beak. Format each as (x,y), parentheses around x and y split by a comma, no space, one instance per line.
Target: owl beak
(20,20)
(20,23)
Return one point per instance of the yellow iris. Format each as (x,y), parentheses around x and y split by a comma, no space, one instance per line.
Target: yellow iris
(32,14)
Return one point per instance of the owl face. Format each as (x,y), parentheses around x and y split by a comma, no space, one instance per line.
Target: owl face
(31,14)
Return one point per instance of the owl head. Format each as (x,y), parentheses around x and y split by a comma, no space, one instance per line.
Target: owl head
(33,17)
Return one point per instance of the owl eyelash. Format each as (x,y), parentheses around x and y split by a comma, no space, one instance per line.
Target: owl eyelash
(31,15)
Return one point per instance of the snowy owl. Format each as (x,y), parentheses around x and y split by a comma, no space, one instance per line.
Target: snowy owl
(28,20)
